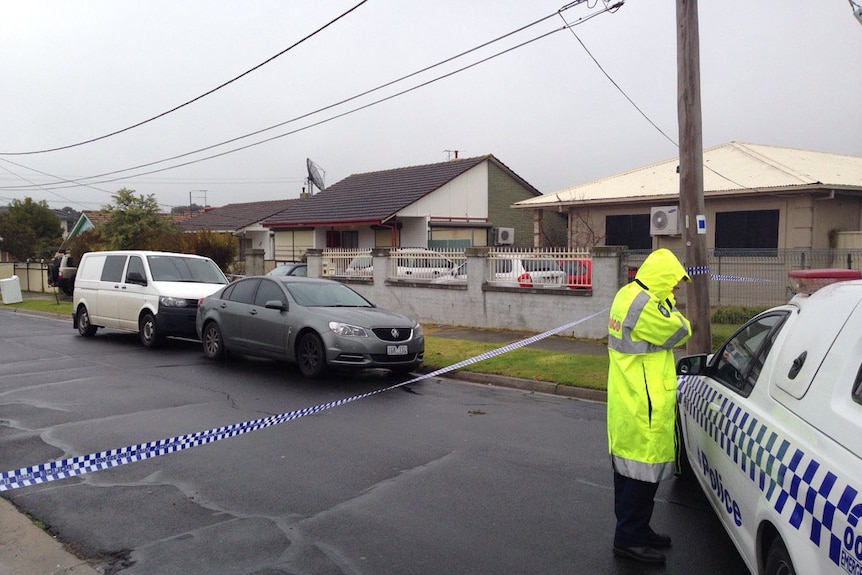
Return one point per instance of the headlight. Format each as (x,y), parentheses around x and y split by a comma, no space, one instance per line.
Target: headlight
(347,329)
(417,330)
(173,301)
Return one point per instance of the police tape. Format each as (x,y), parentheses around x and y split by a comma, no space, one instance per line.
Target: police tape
(704,270)
(81,464)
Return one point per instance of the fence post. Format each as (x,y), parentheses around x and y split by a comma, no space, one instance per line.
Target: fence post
(478,270)
(718,287)
(314,259)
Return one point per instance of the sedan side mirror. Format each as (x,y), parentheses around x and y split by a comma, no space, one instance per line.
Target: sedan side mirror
(691,364)
(276,304)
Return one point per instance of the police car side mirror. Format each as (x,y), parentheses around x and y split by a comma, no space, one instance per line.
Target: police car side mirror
(691,365)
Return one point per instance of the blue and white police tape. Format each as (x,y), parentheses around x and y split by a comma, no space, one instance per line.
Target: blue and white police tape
(82,464)
(704,270)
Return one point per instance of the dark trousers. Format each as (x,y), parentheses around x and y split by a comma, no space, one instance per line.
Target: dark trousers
(633,504)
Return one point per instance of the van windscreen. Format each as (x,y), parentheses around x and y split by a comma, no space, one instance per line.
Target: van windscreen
(183,269)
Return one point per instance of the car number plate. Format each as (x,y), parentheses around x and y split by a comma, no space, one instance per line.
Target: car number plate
(396,350)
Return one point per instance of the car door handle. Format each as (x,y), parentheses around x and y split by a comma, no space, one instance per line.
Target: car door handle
(253,312)
(714,407)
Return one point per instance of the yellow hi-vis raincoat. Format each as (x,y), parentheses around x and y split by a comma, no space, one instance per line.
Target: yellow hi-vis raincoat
(643,329)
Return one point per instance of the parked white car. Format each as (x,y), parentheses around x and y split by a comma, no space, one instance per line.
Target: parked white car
(410,263)
(529,272)
(772,428)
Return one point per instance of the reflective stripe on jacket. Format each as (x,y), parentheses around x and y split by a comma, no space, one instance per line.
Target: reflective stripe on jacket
(643,329)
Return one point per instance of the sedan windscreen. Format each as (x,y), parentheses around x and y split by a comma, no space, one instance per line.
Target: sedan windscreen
(326,295)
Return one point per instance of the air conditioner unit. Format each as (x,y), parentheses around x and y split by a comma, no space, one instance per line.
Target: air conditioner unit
(504,236)
(664,221)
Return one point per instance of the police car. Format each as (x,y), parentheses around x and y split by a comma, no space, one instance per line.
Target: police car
(772,428)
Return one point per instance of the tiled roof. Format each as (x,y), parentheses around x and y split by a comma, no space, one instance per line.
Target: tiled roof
(374,196)
(234,217)
(96,216)
(729,168)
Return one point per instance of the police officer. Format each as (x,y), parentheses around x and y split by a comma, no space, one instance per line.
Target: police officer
(644,328)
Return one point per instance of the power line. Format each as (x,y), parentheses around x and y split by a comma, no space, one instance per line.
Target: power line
(193,100)
(50,191)
(344,101)
(636,107)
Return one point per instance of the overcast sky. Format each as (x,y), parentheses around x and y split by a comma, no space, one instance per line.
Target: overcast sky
(777,73)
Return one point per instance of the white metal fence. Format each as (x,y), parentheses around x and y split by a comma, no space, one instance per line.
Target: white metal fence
(547,267)
(527,268)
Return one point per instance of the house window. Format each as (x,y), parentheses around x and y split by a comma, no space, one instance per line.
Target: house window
(630,230)
(339,239)
(752,230)
(333,239)
(350,239)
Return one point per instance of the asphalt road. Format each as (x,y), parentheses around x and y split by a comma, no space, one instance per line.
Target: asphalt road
(435,477)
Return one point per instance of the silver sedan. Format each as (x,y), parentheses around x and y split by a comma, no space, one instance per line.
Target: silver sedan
(315,323)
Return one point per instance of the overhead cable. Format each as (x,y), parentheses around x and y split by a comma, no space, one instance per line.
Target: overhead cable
(193,100)
(328,107)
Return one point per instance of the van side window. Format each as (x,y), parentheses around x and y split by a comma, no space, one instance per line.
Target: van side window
(113,270)
(136,264)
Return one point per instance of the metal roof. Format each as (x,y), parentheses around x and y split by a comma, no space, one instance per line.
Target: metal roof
(732,168)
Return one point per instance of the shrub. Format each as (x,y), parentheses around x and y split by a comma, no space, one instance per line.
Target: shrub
(735,315)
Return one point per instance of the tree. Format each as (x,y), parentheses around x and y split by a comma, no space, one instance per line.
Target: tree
(134,222)
(30,230)
(219,247)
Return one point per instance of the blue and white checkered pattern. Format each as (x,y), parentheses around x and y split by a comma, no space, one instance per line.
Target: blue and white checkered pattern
(799,487)
(704,270)
(79,465)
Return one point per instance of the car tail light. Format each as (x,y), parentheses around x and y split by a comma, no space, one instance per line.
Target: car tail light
(525,280)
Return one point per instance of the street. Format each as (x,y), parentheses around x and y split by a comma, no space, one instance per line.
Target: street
(435,477)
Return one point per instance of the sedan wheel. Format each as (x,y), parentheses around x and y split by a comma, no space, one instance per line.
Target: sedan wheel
(85,328)
(212,341)
(311,356)
(148,330)
(778,560)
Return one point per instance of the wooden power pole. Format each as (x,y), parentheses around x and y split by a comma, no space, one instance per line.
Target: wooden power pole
(691,175)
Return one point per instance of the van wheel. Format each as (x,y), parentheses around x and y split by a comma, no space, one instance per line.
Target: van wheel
(148,331)
(311,356)
(85,328)
(213,341)
(778,560)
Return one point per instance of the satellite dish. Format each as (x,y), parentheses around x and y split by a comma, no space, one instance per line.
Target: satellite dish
(315,174)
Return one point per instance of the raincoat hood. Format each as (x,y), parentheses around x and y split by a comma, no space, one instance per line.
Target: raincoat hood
(660,272)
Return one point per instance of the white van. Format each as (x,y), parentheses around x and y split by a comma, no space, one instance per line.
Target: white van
(152,293)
